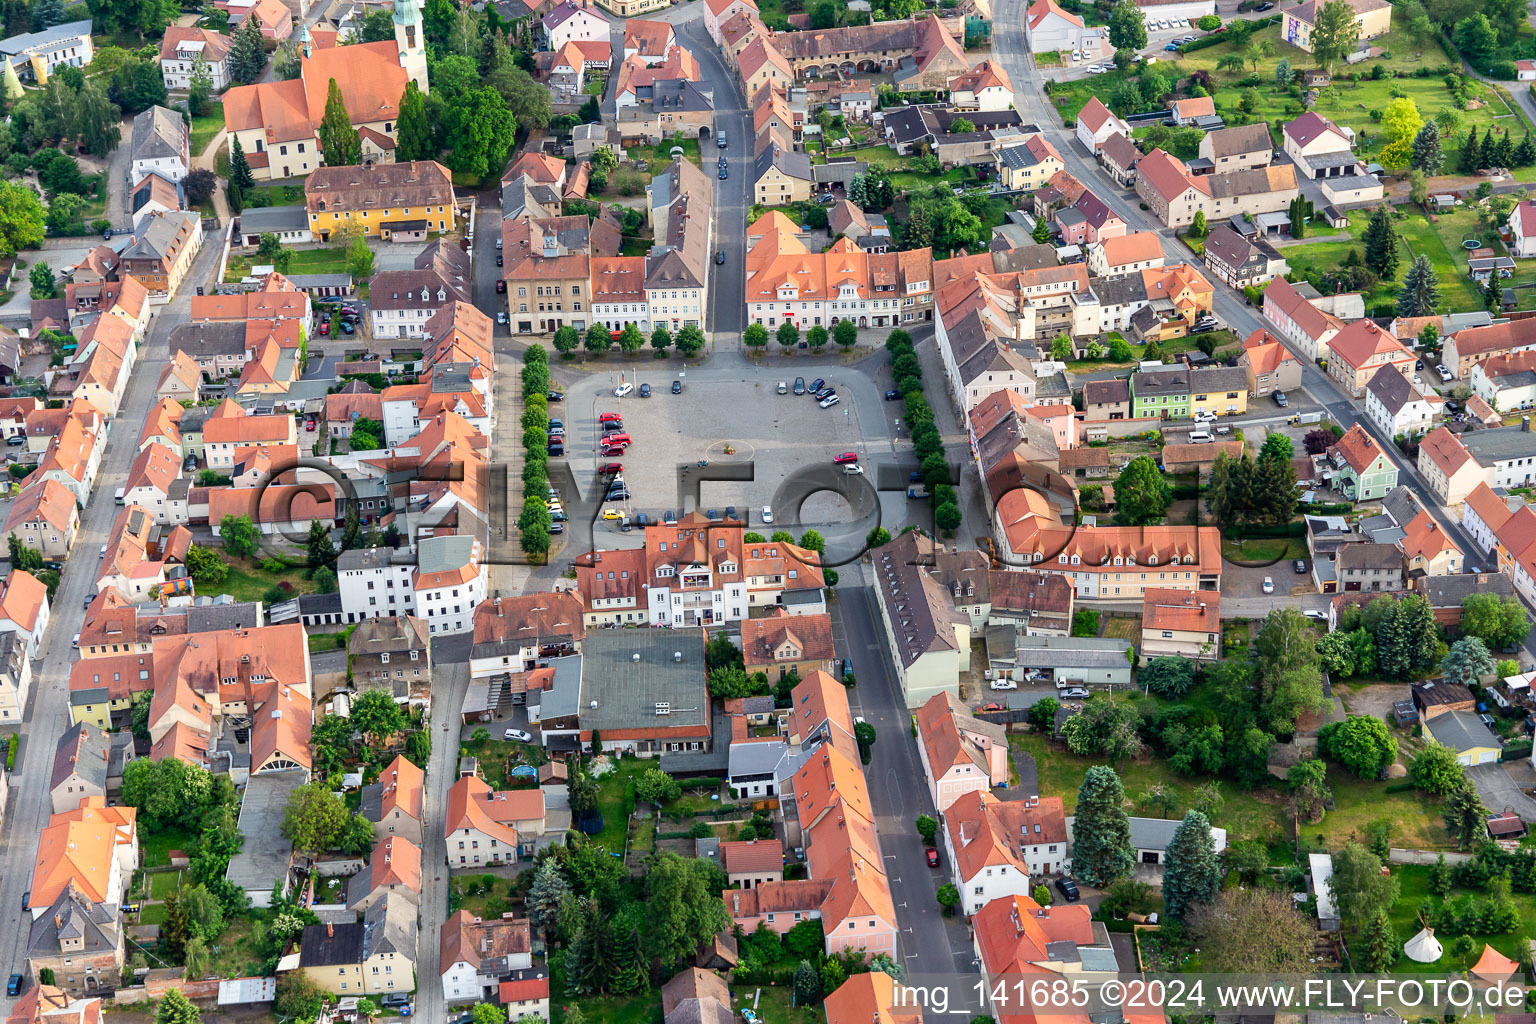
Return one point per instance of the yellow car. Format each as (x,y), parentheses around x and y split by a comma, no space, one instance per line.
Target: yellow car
(612,513)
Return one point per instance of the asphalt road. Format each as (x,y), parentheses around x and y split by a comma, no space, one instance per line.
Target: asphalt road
(47,716)
(930,943)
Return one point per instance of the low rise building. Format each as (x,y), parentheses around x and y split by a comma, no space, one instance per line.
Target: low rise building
(373,956)
(960,753)
(994,846)
(1397,407)
(1180,624)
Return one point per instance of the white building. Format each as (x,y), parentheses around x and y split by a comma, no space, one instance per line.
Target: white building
(373,582)
(35,55)
(570,23)
(159,145)
(1522,229)
(24,610)
(449,583)
(1095,124)
(1397,407)
(994,846)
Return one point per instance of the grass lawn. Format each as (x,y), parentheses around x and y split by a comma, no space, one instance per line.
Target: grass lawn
(594,85)
(773,1005)
(163,883)
(494,753)
(282,195)
(1413,888)
(1441,242)
(641,1009)
(466,890)
(662,153)
(1263,549)
(248,581)
(153,913)
(328,641)
(330,890)
(154,848)
(330,260)
(234,954)
(1123,627)
(1245,815)
(206,127)
(611,796)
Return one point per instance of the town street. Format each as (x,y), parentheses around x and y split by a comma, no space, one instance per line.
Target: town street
(48,716)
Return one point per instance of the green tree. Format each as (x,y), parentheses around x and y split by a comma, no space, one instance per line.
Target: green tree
(1381,254)
(314,819)
(1467,661)
(661,339)
(655,786)
(545,895)
(339,141)
(413,132)
(816,337)
(1440,877)
(1334,33)
(683,911)
(1498,622)
(1400,124)
(1197,226)
(1192,875)
(1042,232)
(1435,769)
(480,132)
(630,339)
(1300,211)
(1170,678)
(948,897)
(927,829)
(1420,294)
(1288,670)
(1142,493)
(807,983)
(1127,26)
(1427,156)
(203,911)
(1102,854)
(175,1008)
(599,339)
(689,341)
(1360,743)
(788,334)
(298,996)
(41,278)
(22,221)
(756,335)
(247,57)
(1359,888)
(1378,946)
(376,715)
(239,535)
(359,258)
(1476,37)
(1307,782)
(566,339)
(846,334)
(1466,818)
(1279,447)
(961,125)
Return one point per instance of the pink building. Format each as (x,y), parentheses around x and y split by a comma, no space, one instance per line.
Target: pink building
(960,754)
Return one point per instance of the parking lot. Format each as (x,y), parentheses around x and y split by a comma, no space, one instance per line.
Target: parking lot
(780,436)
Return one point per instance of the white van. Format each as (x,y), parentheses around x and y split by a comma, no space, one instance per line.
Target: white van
(1201,436)
(119,496)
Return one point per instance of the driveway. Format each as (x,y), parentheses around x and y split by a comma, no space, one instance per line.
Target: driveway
(1499,791)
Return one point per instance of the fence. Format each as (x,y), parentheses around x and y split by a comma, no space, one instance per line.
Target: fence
(1397,856)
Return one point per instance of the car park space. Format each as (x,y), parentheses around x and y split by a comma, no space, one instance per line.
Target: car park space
(779,432)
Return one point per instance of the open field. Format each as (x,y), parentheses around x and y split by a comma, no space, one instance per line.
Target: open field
(331,260)
(204,128)
(1413,889)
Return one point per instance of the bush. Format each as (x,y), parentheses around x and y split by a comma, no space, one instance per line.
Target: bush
(1504,70)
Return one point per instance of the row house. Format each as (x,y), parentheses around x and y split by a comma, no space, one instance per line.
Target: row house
(402,301)
(1362,350)
(1395,405)
(786,283)
(1174,194)
(1501,457)
(1506,381)
(1505,528)
(1297,319)
(1269,365)
(960,753)
(995,846)
(677,268)
(1463,349)
(161,253)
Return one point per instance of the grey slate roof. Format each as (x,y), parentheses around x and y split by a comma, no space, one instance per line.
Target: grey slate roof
(274,219)
(442,554)
(1171,380)
(85,751)
(1392,389)
(1461,731)
(755,758)
(158,237)
(220,615)
(1499,444)
(157,132)
(1217,378)
(795,165)
(89,928)
(627,691)
(1370,556)
(16,47)
(1400,503)
(1069,652)
(1248,138)
(1450,591)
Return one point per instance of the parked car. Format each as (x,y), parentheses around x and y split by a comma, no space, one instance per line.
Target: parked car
(1316,615)
(75,643)
(1003,684)
(933,857)
(724,172)
(1066,886)
(623,389)
(1077,692)
(783,388)
(517,734)
(347,328)
(1269,585)
(893,396)
(501,316)
(993,706)
(620,494)
(799,389)
(645,391)
(1281,400)
(13,986)
(325,327)
(817,385)
(612,513)
(677,387)
(830,401)
(719,257)
(501,286)
(846,457)
(1301,566)
(611,467)
(767,514)
(555,396)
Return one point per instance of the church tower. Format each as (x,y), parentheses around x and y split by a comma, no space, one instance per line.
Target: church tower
(408,37)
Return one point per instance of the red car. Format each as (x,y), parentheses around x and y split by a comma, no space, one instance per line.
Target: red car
(846,457)
(609,417)
(933,857)
(325,327)
(610,467)
(994,706)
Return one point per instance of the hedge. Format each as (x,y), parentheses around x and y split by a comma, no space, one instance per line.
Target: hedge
(1220,37)
(10,752)
(1517,751)
(1254,532)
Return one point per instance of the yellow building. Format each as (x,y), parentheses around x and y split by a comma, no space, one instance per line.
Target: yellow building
(631,8)
(1219,390)
(780,177)
(386,199)
(374,956)
(1028,166)
(1373,18)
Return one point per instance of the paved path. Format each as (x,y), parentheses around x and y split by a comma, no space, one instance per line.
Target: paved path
(1499,791)
(205,161)
(48,714)
(450,681)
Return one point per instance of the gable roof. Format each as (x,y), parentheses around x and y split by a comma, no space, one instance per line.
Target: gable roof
(1042,9)
(1311,125)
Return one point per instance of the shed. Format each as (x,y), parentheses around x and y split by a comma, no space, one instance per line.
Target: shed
(1322,886)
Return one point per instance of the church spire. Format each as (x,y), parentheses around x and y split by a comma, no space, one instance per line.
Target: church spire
(408,37)
(307,42)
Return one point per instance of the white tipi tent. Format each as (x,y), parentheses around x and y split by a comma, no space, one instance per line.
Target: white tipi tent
(1424,947)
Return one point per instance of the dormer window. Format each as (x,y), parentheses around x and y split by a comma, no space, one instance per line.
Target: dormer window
(384,657)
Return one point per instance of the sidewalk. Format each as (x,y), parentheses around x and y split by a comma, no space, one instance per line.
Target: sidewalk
(205,161)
